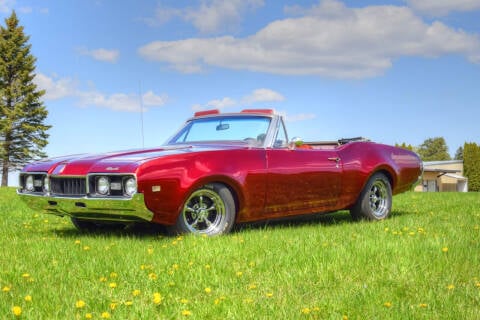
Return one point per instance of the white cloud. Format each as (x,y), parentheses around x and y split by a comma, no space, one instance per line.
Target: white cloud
(211,16)
(55,87)
(100,54)
(262,95)
(329,40)
(6,5)
(58,88)
(256,96)
(443,7)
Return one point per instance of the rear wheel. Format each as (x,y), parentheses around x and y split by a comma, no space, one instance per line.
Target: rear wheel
(208,210)
(375,200)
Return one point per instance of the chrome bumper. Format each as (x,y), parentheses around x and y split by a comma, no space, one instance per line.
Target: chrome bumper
(100,209)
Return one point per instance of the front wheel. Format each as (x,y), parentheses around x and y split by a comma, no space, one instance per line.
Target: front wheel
(208,210)
(375,200)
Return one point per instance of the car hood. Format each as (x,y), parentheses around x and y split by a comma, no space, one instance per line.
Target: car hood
(114,162)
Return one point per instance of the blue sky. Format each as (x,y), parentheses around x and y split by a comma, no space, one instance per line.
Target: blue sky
(393,71)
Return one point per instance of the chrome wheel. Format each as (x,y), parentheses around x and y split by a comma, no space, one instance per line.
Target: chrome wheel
(375,200)
(379,199)
(204,212)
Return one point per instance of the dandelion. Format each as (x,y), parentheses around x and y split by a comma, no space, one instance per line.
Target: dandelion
(103,279)
(175,266)
(152,276)
(269,294)
(477,284)
(186,313)
(306,311)
(77,242)
(136,293)
(451,287)
(444,249)
(208,290)
(6,289)
(252,286)
(157,298)
(80,304)
(239,273)
(388,304)
(113,275)
(128,303)
(105,315)
(86,248)
(423,305)
(28,298)
(26,275)
(17,311)
(184,301)
(88,316)
(113,306)
(345,317)
(150,251)
(112,285)
(207,266)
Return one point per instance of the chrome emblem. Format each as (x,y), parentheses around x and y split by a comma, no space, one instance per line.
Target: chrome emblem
(112,168)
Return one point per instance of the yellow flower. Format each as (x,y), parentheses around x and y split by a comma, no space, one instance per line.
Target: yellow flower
(252,286)
(423,305)
(113,306)
(184,301)
(28,298)
(207,266)
(105,315)
(150,251)
(113,275)
(103,279)
(345,317)
(186,313)
(153,276)
(80,304)
(269,294)
(86,248)
(77,241)
(128,303)
(26,275)
(88,316)
(17,311)
(239,273)
(444,249)
(136,293)
(306,310)
(451,287)
(157,298)
(6,289)
(387,304)
(208,290)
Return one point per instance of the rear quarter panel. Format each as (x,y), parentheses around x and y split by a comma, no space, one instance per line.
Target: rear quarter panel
(362,159)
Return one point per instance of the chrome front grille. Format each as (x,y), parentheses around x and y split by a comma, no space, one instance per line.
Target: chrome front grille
(68,186)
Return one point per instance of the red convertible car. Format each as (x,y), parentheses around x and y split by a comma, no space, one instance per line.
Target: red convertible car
(220,169)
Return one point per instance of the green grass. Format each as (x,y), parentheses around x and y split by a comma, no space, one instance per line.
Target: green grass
(422,263)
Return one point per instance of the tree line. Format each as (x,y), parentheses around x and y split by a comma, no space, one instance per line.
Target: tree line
(435,149)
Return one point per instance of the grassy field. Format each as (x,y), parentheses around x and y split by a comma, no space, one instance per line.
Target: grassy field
(422,263)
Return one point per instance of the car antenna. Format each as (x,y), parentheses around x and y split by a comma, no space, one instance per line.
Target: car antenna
(141,112)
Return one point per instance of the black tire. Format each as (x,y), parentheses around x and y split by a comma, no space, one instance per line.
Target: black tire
(375,200)
(208,210)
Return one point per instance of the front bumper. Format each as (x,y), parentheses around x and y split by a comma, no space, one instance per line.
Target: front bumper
(88,208)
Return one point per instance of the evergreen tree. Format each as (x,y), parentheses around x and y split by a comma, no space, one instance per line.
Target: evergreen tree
(459,154)
(22,114)
(471,165)
(434,149)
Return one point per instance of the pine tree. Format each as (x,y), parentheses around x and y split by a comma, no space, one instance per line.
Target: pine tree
(22,114)
(471,165)
(459,154)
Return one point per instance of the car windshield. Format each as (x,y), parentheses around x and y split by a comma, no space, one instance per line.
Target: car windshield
(249,129)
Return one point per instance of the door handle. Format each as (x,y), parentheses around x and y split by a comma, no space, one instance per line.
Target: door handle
(336,159)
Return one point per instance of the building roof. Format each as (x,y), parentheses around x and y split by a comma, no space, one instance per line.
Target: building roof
(436,163)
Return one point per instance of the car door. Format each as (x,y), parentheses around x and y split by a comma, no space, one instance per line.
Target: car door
(300,179)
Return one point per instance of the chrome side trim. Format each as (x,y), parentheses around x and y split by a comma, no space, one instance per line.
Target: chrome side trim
(100,209)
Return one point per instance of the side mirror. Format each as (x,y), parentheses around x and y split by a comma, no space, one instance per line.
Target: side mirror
(295,142)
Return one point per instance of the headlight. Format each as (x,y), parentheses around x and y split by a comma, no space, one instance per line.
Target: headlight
(130,186)
(29,184)
(46,184)
(103,185)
